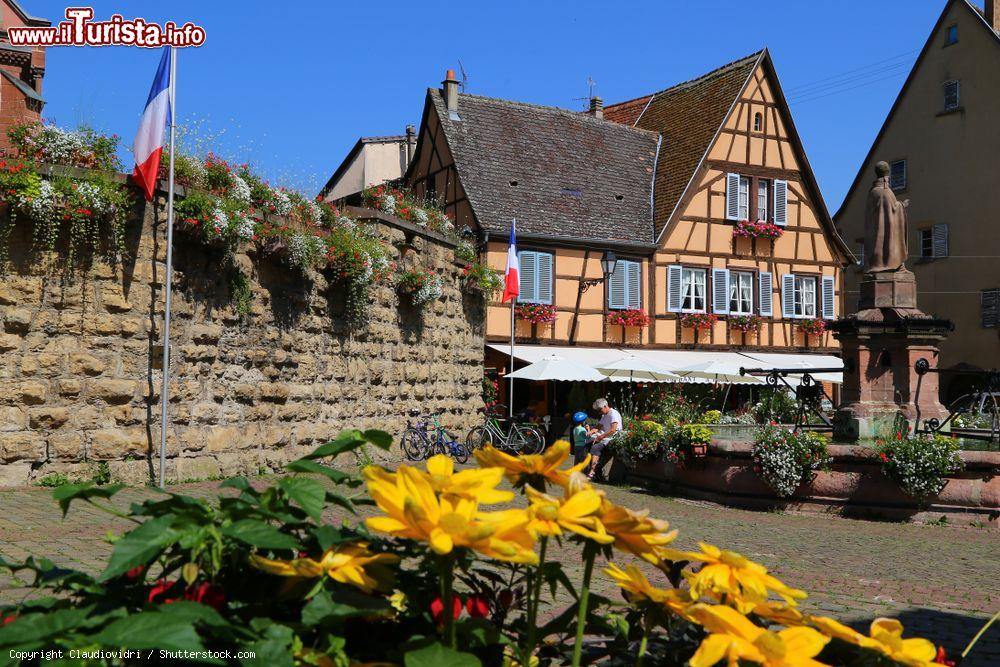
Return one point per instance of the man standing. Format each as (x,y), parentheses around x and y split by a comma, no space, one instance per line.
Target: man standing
(610,423)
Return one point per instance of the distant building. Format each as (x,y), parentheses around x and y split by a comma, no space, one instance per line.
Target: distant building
(21,72)
(941,141)
(372,161)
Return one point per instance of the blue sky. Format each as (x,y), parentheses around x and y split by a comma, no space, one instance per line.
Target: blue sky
(291,86)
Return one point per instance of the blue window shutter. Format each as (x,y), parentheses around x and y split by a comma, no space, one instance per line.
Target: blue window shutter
(674,289)
(732,196)
(720,291)
(829,309)
(633,293)
(940,240)
(787,295)
(527,276)
(781,203)
(766,293)
(544,277)
(618,287)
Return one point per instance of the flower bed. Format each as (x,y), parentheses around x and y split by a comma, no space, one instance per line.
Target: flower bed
(447,565)
(760,229)
(749,325)
(630,317)
(536,313)
(699,321)
(812,327)
(785,460)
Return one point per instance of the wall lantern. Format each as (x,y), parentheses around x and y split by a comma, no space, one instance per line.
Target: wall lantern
(608,264)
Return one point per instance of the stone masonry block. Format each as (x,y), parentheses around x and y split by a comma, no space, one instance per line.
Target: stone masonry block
(81,363)
(46,418)
(112,390)
(117,443)
(21,446)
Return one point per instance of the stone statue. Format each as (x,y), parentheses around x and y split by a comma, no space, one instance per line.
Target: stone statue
(885,226)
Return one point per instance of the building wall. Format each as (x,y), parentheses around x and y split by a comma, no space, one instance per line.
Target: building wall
(15,108)
(376,163)
(699,236)
(79,360)
(952,179)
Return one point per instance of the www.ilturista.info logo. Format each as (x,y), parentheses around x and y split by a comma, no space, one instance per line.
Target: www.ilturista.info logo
(79,30)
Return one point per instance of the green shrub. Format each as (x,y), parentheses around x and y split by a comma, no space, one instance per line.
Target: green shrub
(710,417)
(638,442)
(919,464)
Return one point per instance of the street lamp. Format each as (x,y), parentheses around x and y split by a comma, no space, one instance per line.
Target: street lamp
(608,264)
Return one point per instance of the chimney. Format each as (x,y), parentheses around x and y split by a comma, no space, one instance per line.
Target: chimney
(451,91)
(990,11)
(597,105)
(411,142)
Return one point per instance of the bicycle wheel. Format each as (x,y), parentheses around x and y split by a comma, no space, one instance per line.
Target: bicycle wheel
(539,446)
(478,437)
(459,451)
(525,440)
(414,444)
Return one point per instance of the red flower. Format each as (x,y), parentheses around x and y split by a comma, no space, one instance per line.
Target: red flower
(207,594)
(160,589)
(135,572)
(884,457)
(437,608)
(477,606)
(9,619)
(942,658)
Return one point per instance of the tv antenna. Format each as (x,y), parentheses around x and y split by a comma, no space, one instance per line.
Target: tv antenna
(465,77)
(591,84)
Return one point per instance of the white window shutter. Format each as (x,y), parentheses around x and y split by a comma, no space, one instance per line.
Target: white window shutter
(634,291)
(781,203)
(766,293)
(527,276)
(617,288)
(720,291)
(544,277)
(732,196)
(940,240)
(829,308)
(787,295)
(674,288)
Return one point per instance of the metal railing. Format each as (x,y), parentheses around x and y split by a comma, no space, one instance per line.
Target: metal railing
(809,393)
(984,397)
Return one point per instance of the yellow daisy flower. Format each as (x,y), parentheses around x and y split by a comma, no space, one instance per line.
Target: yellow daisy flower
(734,638)
(349,563)
(532,469)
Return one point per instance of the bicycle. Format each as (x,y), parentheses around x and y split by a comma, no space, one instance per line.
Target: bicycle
(428,438)
(518,438)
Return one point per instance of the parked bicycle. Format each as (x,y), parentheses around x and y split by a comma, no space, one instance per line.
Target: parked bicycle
(509,435)
(427,437)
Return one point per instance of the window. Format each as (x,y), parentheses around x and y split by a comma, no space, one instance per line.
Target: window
(952,35)
(805,296)
(534,277)
(758,122)
(744,201)
(625,285)
(926,243)
(951,95)
(693,290)
(897,175)
(990,308)
(741,293)
(763,188)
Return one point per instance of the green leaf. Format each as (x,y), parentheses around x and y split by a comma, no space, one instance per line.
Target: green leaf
(273,649)
(327,536)
(260,534)
(140,546)
(306,493)
(437,655)
(152,630)
(340,500)
(34,629)
(336,476)
(325,608)
(67,494)
(192,612)
(380,439)
(350,440)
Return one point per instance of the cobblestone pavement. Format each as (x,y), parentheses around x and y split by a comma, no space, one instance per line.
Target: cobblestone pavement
(942,582)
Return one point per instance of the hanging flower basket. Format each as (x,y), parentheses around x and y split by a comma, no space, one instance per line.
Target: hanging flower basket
(536,313)
(745,229)
(420,287)
(630,317)
(748,324)
(812,327)
(699,321)
(482,279)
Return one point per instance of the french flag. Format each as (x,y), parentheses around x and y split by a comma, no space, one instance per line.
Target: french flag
(512,284)
(148,146)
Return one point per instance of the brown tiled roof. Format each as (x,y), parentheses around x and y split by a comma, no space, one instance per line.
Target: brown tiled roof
(576,176)
(688,116)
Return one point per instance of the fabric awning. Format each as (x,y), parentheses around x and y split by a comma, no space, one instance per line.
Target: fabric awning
(674,359)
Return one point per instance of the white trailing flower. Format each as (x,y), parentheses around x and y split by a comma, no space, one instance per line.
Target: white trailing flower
(240,191)
(42,206)
(420,216)
(94,199)
(429,291)
(388,203)
(315,212)
(346,223)
(244,227)
(220,221)
(56,144)
(282,204)
(303,250)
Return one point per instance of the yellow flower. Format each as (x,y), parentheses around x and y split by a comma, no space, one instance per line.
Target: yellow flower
(744,583)
(576,512)
(398,600)
(734,638)
(636,532)
(779,612)
(637,586)
(348,563)
(479,485)
(886,637)
(414,511)
(528,468)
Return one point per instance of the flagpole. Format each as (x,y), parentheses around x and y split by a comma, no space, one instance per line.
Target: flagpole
(510,380)
(169,270)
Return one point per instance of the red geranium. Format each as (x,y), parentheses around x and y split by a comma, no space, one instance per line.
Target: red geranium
(630,317)
(437,608)
(477,606)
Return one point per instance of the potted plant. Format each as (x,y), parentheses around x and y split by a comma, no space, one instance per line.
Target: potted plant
(749,325)
(815,326)
(629,317)
(420,287)
(536,313)
(760,229)
(699,321)
(481,278)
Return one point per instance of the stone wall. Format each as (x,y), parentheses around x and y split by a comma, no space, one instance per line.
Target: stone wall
(80,358)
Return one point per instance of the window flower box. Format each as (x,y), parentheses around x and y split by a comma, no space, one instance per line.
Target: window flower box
(536,313)
(812,327)
(420,287)
(480,278)
(761,229)
(630,317)
(699,321)
(748,324)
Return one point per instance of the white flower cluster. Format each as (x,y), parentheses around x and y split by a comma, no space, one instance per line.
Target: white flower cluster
(244,227)
(41,207)
(379,262)
(56,144)
(315,213)
(346,222)
(420,215)
(304,249)
(428,292)
(388,203)
(779,469)
(92,196)
(282,204)
(240,190)
(220,221)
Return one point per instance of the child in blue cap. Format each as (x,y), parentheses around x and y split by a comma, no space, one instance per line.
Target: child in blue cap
(580,437)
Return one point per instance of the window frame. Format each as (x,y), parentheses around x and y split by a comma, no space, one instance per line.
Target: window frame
(552,284)
(704,295)
(958,94)
(758,122)
(734,276)
(764,186)
(798,301)
(906,175)
(951,35)
(925,237)
(740,194)
(621,264)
